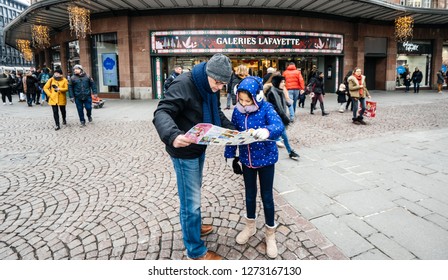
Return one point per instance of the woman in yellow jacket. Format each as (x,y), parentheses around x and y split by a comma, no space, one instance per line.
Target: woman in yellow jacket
(56,89)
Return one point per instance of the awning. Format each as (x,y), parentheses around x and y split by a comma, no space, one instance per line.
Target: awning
(53,13)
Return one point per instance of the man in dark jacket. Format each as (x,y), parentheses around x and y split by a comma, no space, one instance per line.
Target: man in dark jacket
(176,72)
(417,78)
(80,89)
(5,87)
(192,98)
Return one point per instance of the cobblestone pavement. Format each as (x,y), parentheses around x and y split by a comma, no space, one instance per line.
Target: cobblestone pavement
(108,191)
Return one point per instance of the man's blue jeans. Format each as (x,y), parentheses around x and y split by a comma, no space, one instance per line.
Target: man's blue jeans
(416,87)
(80,104)
(189,181)
(266,178)
(294,96)
(355,107)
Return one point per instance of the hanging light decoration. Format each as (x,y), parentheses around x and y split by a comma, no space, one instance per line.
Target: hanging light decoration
(24,46)
(79,19)
(41,36)
(28,54)
(404,28)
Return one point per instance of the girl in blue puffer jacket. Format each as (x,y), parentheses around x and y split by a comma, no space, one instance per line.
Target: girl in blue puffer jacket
(259,158)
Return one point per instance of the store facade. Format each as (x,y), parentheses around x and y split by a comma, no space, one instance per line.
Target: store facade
(412,55)
(129,56)
(258,50)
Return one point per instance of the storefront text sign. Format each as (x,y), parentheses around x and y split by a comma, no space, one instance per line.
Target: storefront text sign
(237,41)
(409,47)
(421,47)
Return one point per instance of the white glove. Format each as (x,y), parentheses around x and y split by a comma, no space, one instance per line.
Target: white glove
(261,134)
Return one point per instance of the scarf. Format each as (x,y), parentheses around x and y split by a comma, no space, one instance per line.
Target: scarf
(279,99)
(247,109)
(359,78)
(210,111)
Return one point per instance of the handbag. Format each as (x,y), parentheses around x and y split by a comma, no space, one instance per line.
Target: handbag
(370,111)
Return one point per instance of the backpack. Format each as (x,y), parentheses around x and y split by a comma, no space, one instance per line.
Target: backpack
(44,78)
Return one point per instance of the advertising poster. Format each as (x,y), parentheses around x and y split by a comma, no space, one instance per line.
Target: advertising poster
(110,74)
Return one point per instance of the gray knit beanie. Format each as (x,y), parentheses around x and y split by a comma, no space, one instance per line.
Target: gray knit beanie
(78,66)
(219,67)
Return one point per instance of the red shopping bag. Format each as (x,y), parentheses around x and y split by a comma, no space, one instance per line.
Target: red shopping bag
(370,109)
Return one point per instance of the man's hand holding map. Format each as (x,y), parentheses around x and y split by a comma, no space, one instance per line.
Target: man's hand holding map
(208,134)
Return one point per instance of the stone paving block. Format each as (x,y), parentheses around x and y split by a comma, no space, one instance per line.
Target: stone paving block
(435,205)
(350,242)
(365,202)
(337,210)
(422,184)
(373,254)
(411,232)
(413,207)
(438,220)
(389,247)
(408,193)
(306,204)
(358,225)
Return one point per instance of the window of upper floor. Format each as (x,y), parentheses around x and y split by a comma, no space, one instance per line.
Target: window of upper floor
(417,3)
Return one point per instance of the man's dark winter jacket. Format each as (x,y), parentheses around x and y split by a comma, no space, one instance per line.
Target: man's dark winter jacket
(81,85)
(180,110)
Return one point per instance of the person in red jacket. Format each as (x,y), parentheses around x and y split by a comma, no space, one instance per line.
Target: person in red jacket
(295,85)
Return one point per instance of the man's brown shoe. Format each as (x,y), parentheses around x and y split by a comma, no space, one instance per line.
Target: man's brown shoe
(206,229)
(209,256)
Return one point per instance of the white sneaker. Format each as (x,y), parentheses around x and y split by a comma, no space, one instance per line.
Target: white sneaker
(10,103)
(280,144)
(4,103)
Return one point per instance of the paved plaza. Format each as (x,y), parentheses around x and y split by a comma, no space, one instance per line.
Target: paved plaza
(108,190)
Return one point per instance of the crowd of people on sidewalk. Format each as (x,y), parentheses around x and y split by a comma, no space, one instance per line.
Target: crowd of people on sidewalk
(43,87)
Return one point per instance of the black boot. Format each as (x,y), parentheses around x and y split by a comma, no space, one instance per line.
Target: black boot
(312,109)
(361,121)
(323,111)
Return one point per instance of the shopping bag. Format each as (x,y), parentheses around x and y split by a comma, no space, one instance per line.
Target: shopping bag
(370,111)
(22,96)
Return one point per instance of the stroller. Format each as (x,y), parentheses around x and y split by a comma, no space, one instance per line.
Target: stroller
(97,102)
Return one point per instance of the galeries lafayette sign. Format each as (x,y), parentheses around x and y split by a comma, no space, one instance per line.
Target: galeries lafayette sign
(237,41)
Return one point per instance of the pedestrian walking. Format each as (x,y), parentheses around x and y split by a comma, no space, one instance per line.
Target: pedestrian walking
(258,159)
(342,96)
(317,90)
(80,89)
(56,90)
(407,80)
(417,78)
(19,87)
(359,92)
(6,87)
(31,87)
(295,85)
(440,81)
(43,77)
(192,98)
(276,97)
